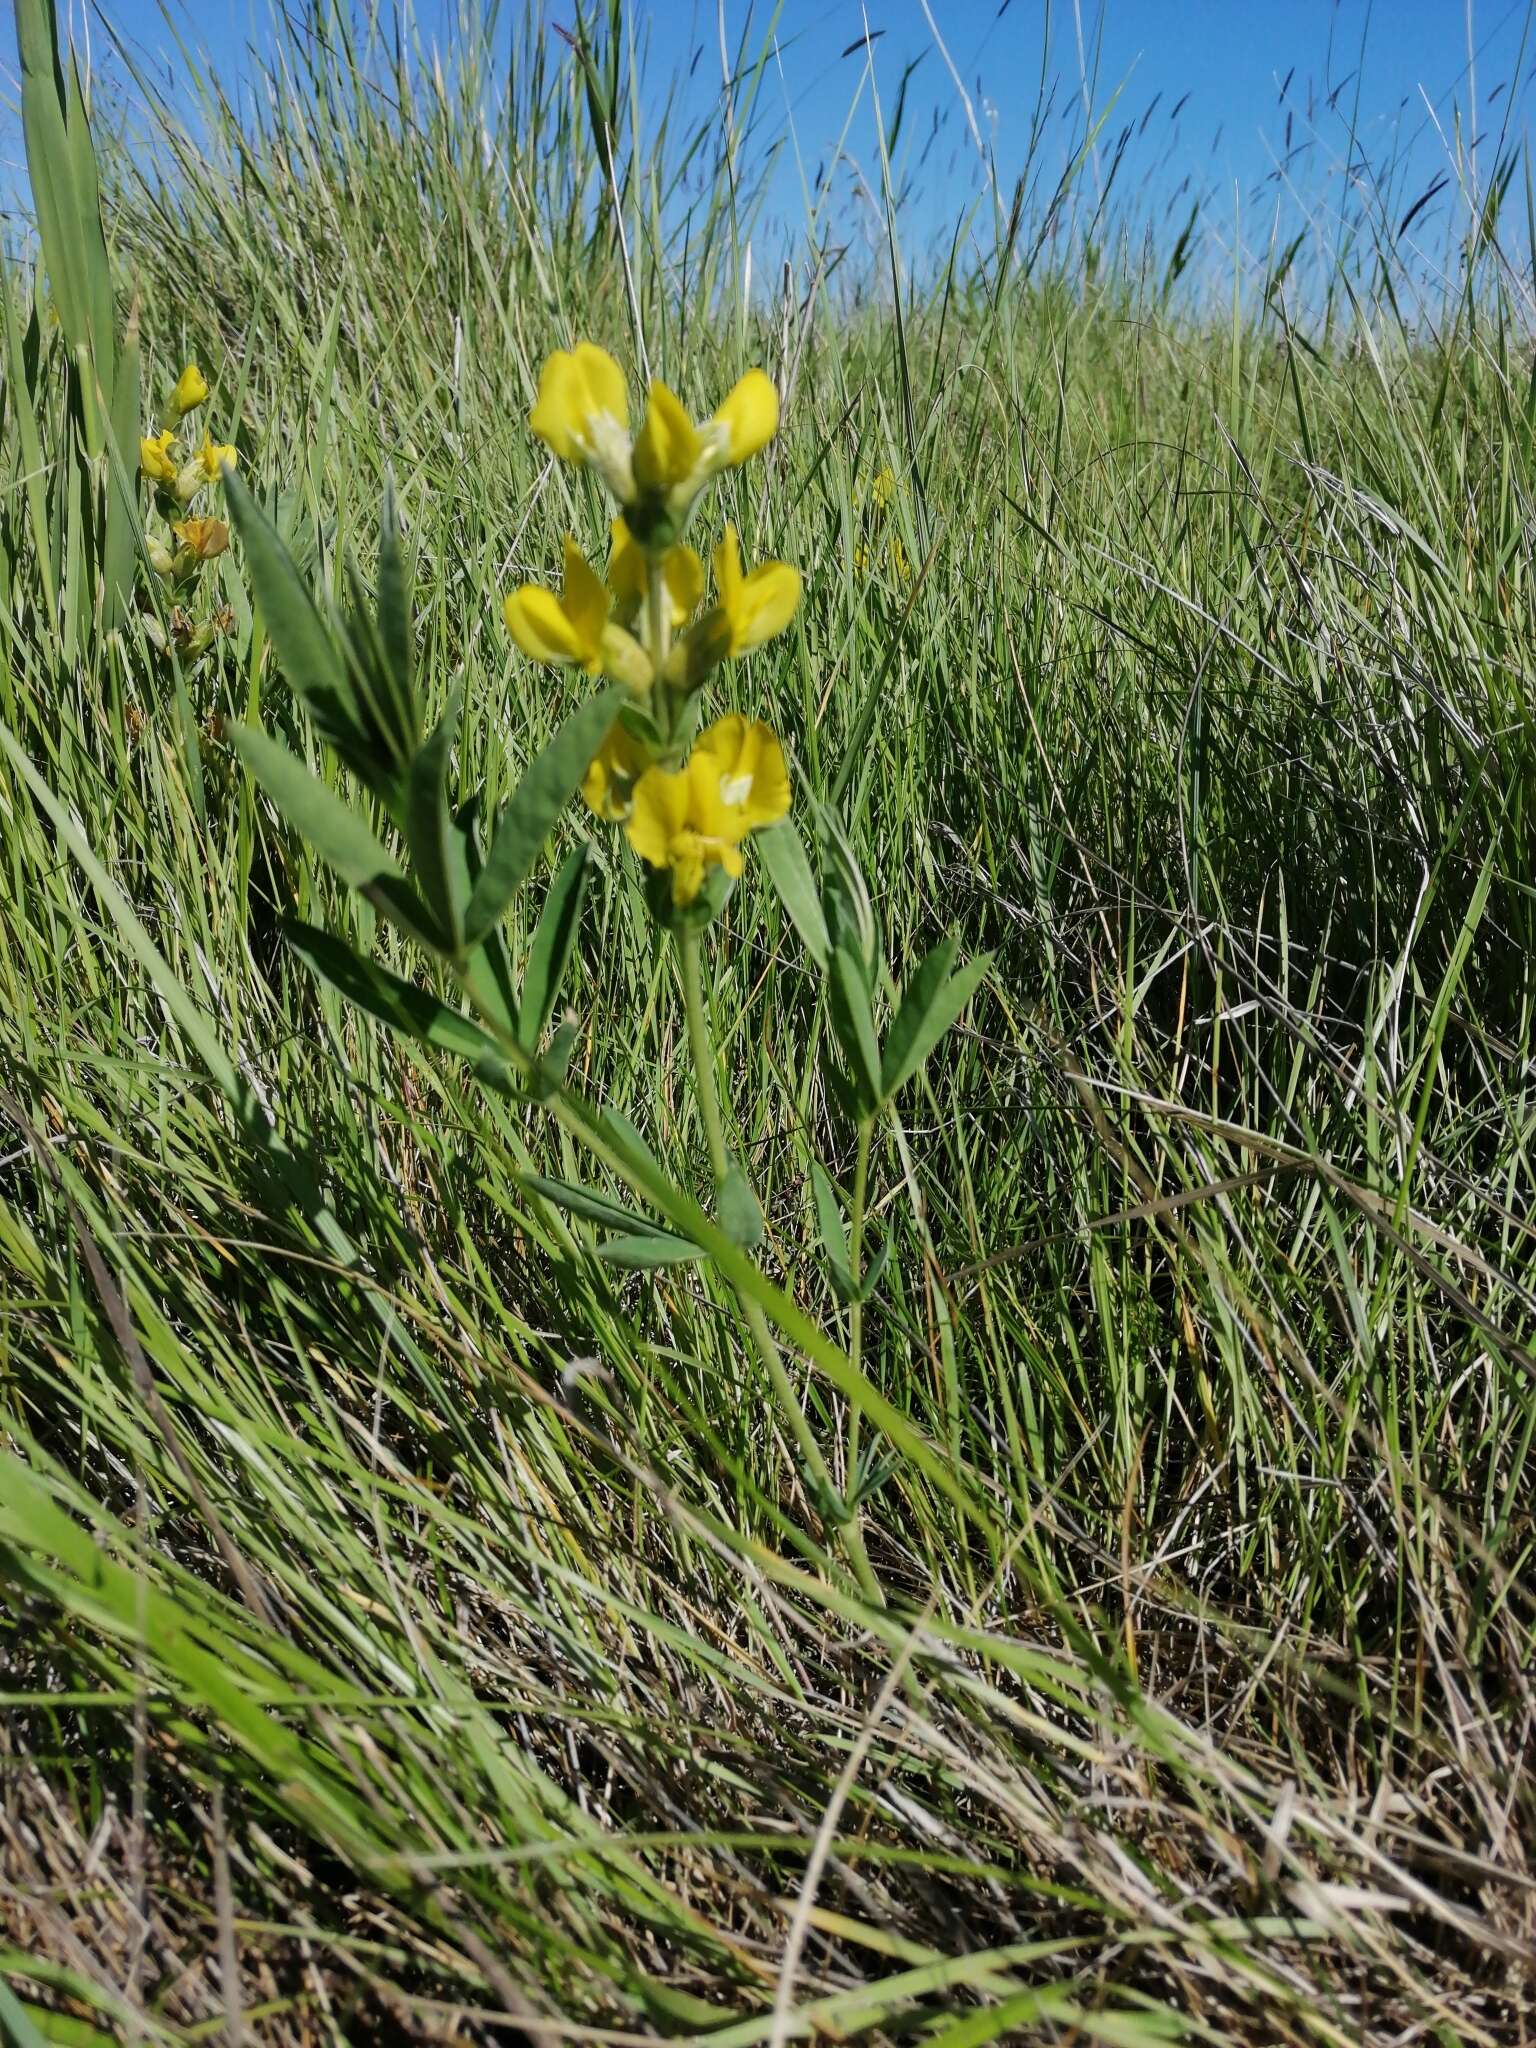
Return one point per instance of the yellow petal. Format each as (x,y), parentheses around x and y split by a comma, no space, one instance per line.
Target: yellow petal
(155,459)
(684,574)
(769,598)
(191,389)
(627,567)
(741,767)
(612,773)
(658,813)
(728,570)
(538,623)
(576,388)
(749,415)
(667,445)
(585,601)
(688,864)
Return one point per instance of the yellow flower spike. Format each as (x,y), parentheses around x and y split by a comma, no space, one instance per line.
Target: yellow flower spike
(191,389)
(582,414)
(747,419)
(573,628)
(155,458)
(203,538)
(668,446)
(883,488)
(609,783)
(755,606)
(629,574)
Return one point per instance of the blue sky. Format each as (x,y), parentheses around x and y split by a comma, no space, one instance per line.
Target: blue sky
(1248,104)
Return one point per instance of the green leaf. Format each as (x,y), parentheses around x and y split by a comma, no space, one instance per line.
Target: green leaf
(853,1023)
(394,607)
(829,1225)
(647,1253)
(537,802)
(588,1203)
(16,2024)
(934,999)
(125,522)
(51,173)
(554,939)
(783,854)
(411,1011)
(306,647)
(741,1217)
(341,838)
(429,821)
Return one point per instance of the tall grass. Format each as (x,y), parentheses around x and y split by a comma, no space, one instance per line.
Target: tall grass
(415,1629)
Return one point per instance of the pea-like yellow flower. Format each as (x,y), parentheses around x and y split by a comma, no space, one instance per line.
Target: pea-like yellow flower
(758,605)
(618,764)
(204,539)
(883,488)
(191,389)
(214,457)
(674,459)
(734,782)
(629,575)
(582,413)
(574,628)
(155,458)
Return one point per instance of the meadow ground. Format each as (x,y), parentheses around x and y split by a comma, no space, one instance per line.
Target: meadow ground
(418,1629)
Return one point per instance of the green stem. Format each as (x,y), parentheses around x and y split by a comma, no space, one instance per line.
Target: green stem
(856,1275)
(701,1044)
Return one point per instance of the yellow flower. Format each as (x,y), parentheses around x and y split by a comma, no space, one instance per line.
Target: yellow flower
(191,389)
(734,782)
(617,766)
(883,489)
(756,606)
(213,458)
(582,412)
(203,538)
(155,458)
(573,628)
(748,763)
(629,575)
(674,459)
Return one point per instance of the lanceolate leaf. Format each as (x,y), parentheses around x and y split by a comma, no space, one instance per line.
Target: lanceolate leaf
(740,1216)
(553,940)
(341,838)
(429,824)
(394,608)
(783,855)
(929,1007)
(588,1203)
(403,1007)
(537,802)
(310,658)
(647,1253)
(853,1023)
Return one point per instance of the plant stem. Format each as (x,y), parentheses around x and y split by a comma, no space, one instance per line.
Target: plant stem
(701,1044)
(856,1275)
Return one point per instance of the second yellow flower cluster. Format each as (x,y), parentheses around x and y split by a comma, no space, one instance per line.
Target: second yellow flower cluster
(646,623)
(177,478)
